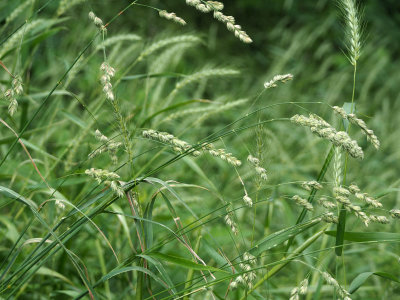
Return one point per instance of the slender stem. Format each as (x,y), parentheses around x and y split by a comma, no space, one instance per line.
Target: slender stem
(341,227)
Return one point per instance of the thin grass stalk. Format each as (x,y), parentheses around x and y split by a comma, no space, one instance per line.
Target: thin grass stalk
(287,260)
(189,277)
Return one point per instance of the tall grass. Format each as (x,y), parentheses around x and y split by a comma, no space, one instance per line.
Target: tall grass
(135,165)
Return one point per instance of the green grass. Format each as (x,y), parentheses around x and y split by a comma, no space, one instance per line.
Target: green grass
(166,218)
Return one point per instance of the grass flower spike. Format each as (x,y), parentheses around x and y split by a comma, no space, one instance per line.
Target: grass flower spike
(171,16)
(303,202)
(309,185)
(12,94)
(353,26)
(324,130)
(277,78)
(216,7)
(97,21)
(108,73)
(108,178)
(255,162)
(352,118)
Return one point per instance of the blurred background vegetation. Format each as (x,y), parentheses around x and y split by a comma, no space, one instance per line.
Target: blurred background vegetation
(304,38)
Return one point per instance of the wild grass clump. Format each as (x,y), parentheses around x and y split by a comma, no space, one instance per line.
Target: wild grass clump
(139,159)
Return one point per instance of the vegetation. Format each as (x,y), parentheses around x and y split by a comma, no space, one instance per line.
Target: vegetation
(155,150)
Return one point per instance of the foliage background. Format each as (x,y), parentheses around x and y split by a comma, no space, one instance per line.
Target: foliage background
(304,38)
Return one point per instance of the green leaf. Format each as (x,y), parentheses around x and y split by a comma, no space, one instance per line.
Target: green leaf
(361,278)
(281,236)
(116,272)
(183,262)
(368,236)
(48,272)
(160,268)
(13,195)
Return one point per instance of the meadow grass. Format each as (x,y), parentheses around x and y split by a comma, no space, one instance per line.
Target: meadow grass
(135,165)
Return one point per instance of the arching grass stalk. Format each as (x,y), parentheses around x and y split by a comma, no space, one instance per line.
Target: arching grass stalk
(288,259)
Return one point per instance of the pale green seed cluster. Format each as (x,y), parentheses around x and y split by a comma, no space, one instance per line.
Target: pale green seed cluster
(108,146)
(300,290)
(109,178)
(171,16)
(324,130)
(12,93)
(303,202)
(222,154)
(333,282)
(255,162)
(101,175)
(178,145)
(325,203)
(229,21)
(277,78)
(341,196)
(379,219)
(329,217)
(355,190)
(97,21)
(395,213)
(249,276)
(108,73)
(361,124)
(247,200)
(309,185)
(230,222)
(60,204)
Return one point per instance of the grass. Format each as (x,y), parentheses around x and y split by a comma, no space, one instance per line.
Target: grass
(177,170)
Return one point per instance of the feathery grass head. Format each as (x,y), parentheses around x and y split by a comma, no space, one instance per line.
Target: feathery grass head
(171,16)
(309,185)
(247,200)
(216,7)
(379,219)
(329,217)
(97,21)
(352,118)
(324,130)
(12,94)
(108,178)
(255,162)
(332,281)
(353,29)
(108,146)
(277,78)
(108,73)
(303,202)
(395,213)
